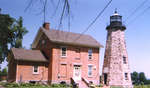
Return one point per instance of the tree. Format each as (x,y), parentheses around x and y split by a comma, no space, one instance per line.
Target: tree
(6,35)
(139,78)
(61,6)
(147,82)
(18,32)
(134,77)
(11,33)
(142,78)
(4,72)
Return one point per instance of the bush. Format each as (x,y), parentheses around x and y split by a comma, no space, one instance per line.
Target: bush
(10,85)
(142,86)
(58,85)
(115,87)
(30,85)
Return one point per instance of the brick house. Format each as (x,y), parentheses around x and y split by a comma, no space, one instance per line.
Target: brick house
(56,56)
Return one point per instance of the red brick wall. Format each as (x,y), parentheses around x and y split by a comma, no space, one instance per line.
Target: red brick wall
(25,72)
(11,68)
(53,52)
(70,61)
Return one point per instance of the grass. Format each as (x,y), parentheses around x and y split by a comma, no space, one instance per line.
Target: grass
(138,86)
(142,86)
(29,85)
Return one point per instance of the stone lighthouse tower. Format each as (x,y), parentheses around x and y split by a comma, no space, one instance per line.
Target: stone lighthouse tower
(116,70)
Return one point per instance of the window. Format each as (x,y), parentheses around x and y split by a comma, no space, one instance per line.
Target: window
(63,51)
(90,53)
(35,69)
(126,76)
(124,60)
(90,70)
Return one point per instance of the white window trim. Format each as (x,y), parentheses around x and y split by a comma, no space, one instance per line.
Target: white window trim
(88,70)
(37,70)
(88,54)
(61,51)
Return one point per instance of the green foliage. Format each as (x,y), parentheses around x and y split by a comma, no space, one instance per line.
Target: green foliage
(60,85)
(11,34)
(142,78)
(135,77)
(142,86)
(4,72)
(18,32)
(6,35)
(147,82)
(115,87)
(30,85)
(139,78)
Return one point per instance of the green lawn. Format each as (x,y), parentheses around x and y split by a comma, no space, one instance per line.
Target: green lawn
(28,85)
(142,86)
(139,86)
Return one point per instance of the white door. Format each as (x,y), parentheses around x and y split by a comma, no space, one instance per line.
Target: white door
(77,72)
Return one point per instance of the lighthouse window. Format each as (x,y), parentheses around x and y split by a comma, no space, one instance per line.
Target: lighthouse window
(90,53)
(124,60)
(126,76)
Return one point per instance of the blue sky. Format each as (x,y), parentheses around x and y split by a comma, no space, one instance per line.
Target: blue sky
(82,13)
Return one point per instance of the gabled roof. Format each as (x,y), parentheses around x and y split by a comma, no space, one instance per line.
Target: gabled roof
(28,55)
(70,38)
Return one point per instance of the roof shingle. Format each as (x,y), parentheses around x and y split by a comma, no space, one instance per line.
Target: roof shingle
(28,55)
(70,38)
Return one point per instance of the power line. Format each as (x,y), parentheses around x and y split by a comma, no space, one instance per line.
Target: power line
(29,5)
(94,20)
(45,10)
(142,13)
(137,9)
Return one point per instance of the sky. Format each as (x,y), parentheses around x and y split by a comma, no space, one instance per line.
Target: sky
(83,12)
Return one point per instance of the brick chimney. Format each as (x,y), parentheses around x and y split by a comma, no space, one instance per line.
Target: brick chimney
(46,25)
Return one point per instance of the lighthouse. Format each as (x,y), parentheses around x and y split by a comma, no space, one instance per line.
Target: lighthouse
(116,71)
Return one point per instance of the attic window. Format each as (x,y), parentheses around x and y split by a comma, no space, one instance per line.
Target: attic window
(63,51)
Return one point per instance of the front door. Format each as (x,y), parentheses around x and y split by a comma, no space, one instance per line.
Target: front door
(77,72)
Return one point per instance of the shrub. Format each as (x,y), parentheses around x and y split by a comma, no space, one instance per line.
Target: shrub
(115,87)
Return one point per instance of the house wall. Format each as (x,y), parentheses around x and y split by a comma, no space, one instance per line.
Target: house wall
(46,49)
(11,68)
(61,68)
(25,72)
(58,65)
